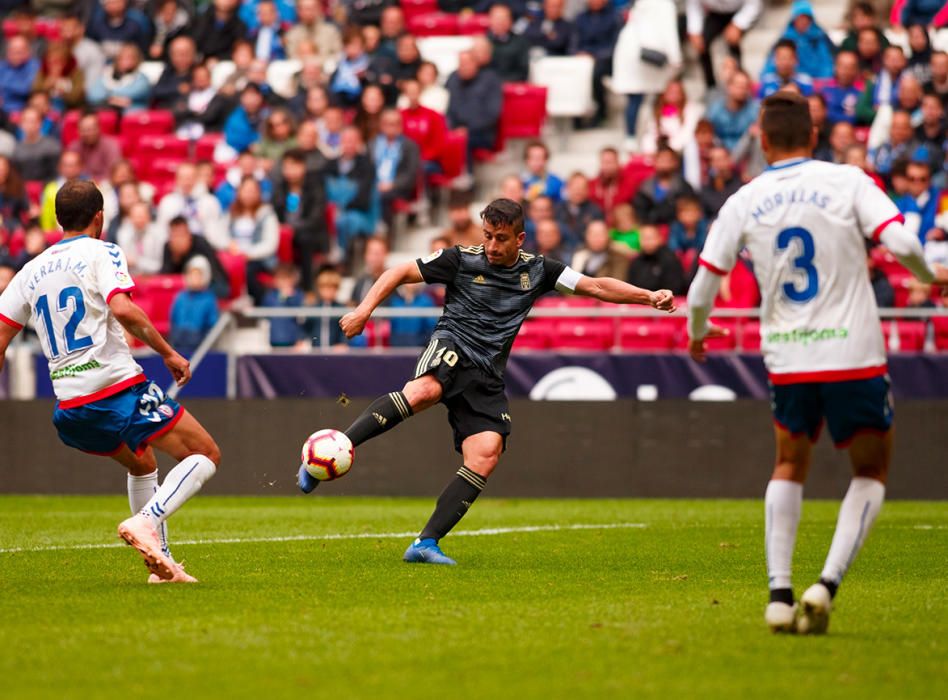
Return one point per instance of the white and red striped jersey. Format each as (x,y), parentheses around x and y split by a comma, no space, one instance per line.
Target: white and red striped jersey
(66,291)
(805,224)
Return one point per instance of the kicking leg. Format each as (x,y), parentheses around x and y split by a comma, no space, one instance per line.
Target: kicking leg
(782,502)
(142,485)
(198,457)
(870,454)
(481,453)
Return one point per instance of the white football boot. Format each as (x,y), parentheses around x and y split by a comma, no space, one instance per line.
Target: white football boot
(781,617)
(815,606)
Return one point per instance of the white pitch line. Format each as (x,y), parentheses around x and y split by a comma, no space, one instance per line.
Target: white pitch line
(341,536)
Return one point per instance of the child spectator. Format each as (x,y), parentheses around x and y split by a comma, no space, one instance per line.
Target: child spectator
(326,331)
(625,230)
(286,331)
(142,240)
(537,180)
(194,311)
(689,229)
(346,81)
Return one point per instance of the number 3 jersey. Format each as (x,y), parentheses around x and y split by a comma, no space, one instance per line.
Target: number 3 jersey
(805,224)
(66,291)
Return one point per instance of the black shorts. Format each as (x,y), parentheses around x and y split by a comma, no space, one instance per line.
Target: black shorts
(475,399)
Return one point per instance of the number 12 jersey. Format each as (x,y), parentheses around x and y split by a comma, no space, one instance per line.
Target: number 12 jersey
(66,291)
(805,224)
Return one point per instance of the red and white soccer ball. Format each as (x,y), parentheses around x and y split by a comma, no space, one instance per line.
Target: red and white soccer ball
(327,454)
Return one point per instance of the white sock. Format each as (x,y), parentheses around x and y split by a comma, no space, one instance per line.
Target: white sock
(861,505)
(140,491)
(182,482)
(782,502)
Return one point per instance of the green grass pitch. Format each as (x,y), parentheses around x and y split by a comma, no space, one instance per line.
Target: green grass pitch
(672,609)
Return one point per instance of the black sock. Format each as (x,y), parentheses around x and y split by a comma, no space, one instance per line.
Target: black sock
(781,595)
(831,586)
(453,503)
(384,414)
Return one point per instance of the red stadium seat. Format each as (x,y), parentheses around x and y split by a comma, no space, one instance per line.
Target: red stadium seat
(413,8)
(53,237)
(159,145)
(533,335)
(726,343)
(899,279)
(554,301)
(911,335)
(34,188)
(644,334)
(750,335)
(108,122)
(378,333)
(594,335)
(453,159)
(285,253)
(48,28)
(472,24)
(147,122)
(204,146)
(160,290)
(433,24)
(940,324)
(236,268)
(524,111)
(162,168)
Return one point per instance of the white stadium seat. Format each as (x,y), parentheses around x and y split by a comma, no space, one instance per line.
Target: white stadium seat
(281,76)
(568,80)
(153,71)
(443,52)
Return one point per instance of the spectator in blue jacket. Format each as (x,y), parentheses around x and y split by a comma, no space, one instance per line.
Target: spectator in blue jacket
(920,204)
(122,86)
(537,179)
(785,71)
(734,112)
(550,32)
(920,11)
(595,32)
(347,80)
(411,332)
(194,311)
(113,24)
(842,93)
(17,73)
(814,47)
(242,128)
(248,14)
(689,229)
(325,332)
(286,331)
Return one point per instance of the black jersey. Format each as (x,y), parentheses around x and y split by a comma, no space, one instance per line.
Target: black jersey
(485,304)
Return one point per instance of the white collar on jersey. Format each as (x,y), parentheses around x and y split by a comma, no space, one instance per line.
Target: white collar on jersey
(788,163)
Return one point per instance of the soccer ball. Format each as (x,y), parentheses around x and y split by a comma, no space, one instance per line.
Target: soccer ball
(327,454)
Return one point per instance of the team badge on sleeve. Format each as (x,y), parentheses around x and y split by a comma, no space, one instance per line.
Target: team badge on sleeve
(432,256)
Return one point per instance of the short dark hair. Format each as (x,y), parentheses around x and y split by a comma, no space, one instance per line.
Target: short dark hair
(867,8)
(297,155)
(536,144)
(77,203)
(458,199)
(786,44)
(179,221)
(504,212)
(786,120)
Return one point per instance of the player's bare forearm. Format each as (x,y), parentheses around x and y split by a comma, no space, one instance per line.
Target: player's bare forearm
(354,322)
(136,322)
(616,291)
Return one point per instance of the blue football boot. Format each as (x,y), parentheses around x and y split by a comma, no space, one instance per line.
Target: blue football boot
(426,551)
(305,481)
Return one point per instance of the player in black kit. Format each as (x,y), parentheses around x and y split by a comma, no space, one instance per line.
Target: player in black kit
(490,290)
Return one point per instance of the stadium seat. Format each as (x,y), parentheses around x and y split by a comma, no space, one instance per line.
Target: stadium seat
(285,253)
(160,290)
(152,70)
(413,8)
(533,335)
(433,24)
(910,334)
(281,76)
(154,121)
(568,80)
(899,279)
(593,335)
(236,268)
(34,189)
(108,122)
(159,146)
(524,111)
(472,24)
(555,301)
(940,325)
(161,169)
(377,333)
(750,335)
(204,147)
(453,159)
(724,344)
(644,334)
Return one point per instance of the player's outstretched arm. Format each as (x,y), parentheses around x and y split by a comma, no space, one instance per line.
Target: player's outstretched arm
(7,334)
(354,322)
(618,292)
(136,322)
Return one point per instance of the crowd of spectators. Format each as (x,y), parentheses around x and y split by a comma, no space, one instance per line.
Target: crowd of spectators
(302,177)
